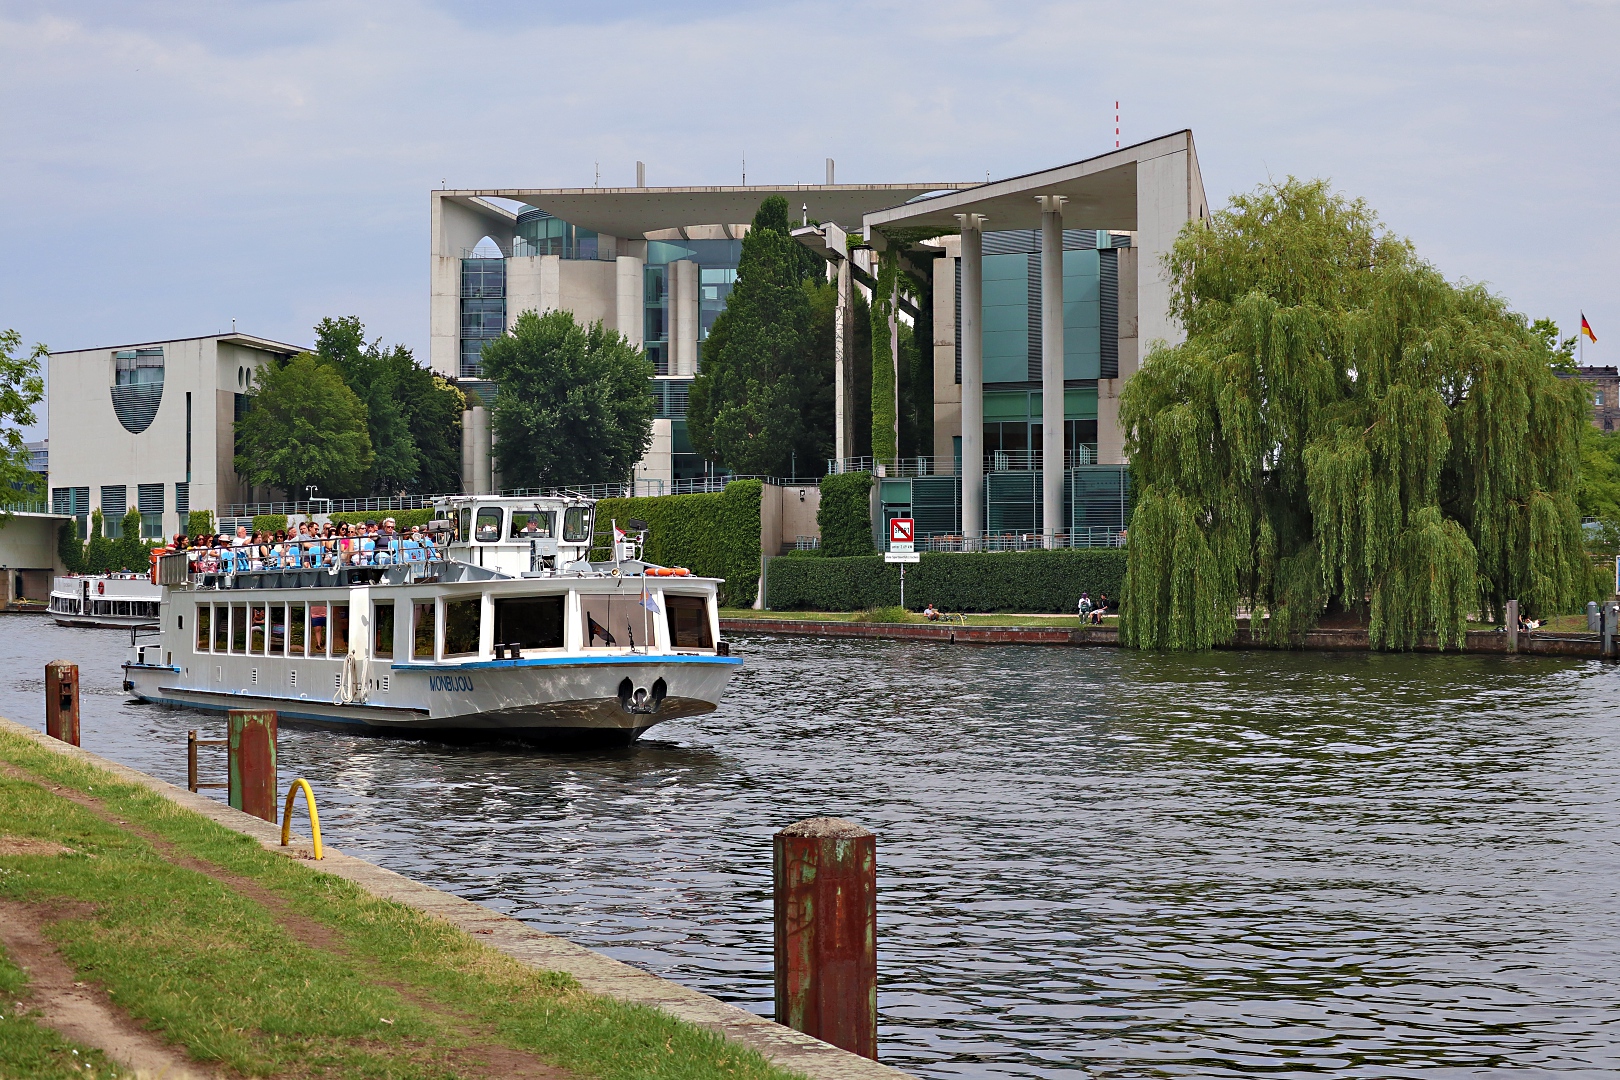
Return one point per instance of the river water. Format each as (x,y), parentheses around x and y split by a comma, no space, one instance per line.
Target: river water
(1092,862)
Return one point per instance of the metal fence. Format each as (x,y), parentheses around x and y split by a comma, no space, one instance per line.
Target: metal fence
(1024,541)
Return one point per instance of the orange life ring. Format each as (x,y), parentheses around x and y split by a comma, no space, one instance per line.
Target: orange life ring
(681,571)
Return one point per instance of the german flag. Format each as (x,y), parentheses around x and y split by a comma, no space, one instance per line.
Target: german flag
(1586,328)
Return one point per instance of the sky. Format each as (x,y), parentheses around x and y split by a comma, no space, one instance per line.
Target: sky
(166,168)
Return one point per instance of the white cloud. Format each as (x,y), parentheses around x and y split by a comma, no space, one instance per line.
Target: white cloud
(169,166)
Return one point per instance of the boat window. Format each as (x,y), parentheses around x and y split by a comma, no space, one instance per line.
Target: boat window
(461,619)
(256,631)
(204,612)
(295,630)
(239,628)
(424,626)
(317,630)
(340,631)
(689,622)
(576,525)
(465,532)
(534,524)
(489,524)
(278,629)
(382,630)
(222,627)
(615,620)
(529,622)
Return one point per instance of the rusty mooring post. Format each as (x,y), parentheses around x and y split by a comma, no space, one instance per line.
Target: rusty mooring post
(252,749)
(62,701)
(1513,625)
(825,872)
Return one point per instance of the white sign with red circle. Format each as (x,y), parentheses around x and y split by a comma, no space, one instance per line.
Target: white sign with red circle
(902,534)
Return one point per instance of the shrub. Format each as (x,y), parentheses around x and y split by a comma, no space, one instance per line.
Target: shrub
(845,515)
(200,523)
(69,548)
(714,534)
(1027,581)
(268,523)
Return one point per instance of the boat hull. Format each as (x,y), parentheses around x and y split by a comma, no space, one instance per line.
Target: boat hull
(565,701)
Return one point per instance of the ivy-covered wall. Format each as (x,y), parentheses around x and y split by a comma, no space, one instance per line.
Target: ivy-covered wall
(715,534)
(1027,581)
(845,514)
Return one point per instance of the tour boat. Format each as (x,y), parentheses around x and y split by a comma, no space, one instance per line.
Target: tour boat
(106,600)
(506,627)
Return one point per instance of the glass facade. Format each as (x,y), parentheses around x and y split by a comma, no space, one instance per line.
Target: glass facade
(483,310)
(717,275)
(538,233)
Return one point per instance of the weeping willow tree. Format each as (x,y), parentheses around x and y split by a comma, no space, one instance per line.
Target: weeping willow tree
(1343,430)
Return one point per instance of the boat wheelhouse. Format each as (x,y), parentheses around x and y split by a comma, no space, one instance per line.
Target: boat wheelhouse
(119,601)
(504,627)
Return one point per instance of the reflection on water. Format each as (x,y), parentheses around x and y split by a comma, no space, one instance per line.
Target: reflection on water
(1092,863)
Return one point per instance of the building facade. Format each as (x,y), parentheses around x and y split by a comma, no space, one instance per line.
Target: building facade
(151,427)
(1046,289)
(1604,385)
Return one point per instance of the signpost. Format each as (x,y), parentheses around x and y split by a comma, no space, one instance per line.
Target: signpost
(902,548)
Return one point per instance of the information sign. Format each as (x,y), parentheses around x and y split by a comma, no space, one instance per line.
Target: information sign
(902,556)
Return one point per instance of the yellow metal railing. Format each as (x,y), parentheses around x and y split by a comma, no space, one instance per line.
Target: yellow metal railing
(314,815)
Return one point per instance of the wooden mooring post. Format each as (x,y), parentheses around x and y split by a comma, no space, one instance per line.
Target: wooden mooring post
(252,750)
(62,701)
(825,875)
(1513,625)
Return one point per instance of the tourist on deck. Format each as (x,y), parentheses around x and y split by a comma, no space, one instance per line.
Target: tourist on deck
(241,538)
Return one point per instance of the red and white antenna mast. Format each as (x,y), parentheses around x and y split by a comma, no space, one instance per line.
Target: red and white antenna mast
(1116,125)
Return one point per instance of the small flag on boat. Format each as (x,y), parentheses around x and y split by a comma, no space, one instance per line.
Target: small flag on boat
(1586,328)
(650,604)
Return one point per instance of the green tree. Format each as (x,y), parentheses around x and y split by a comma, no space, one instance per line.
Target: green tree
(100,553)
(128,551)
(746,406)
(304,426)
(433,411)
(574,404)
(1343,427)
(21,388)
(373,373)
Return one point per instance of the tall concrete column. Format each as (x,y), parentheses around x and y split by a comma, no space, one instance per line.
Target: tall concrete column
(481,448)
(628,282)
(972,336)
(1052,457)
(841,325)
(467,452)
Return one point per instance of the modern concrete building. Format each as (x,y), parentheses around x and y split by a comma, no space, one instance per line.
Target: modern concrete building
(1046,290)
(151,427)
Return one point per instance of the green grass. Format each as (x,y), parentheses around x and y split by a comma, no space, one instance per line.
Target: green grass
(28,1049)
(892,614)
(215,972)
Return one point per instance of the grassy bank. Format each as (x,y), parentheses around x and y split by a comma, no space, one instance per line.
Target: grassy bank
(228,955)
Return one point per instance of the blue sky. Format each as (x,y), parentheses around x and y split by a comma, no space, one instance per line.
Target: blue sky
(166,167)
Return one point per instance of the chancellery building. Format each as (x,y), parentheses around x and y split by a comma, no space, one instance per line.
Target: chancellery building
(1046,289)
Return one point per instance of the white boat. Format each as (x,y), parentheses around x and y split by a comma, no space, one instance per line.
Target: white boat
(512,631)
(106,600)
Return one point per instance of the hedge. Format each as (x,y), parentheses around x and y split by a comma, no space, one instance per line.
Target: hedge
(715,534)
(269,523)
(200,523)
(845,514)
(1026,581)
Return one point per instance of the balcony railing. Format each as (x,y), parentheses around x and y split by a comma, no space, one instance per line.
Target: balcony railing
(994,461)
(1024,541)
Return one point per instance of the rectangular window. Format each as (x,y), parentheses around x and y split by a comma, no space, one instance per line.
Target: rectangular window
(278,629)
(295,630)
(530,622)
(204,622)
(424,626)
(222,628)
(534,524)
(182,498)
(317,631)
(488,530)
(615,621)
(256,631)
(576,525)
(340,629)
(150,504)
(239,628)
(461,625)
(382,631)
(689,622)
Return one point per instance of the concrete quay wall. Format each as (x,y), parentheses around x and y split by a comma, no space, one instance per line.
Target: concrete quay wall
(1478,641)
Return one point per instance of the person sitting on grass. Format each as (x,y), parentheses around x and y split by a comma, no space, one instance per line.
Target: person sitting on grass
(931,613)
(1100,610)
